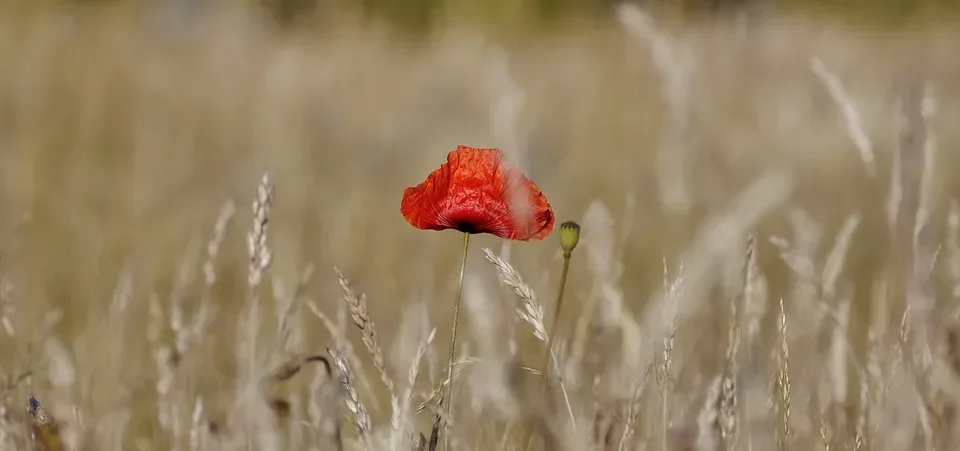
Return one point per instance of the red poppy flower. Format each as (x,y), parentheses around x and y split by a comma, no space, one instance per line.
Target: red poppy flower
(475,191)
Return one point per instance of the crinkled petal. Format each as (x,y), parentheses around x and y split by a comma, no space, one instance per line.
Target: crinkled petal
(473,192)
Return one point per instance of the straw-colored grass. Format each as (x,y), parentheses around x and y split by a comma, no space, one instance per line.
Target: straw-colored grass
(768,258)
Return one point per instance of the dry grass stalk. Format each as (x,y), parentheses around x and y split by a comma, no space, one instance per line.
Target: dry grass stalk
(436,392)
(904,353)
(16,434)
(361,317)
(917,152)
(531,311)
(754,310)
(665,379)
(189,333)
(633,412)
(62,374)
(834,265)
(821,289)
(860,428)
(839,351)
(674,64)
(754,294)
(603,306)
(708,431)
(824,438)
(717,240)
(401,420)
(850,114)
(728,414)
(783,373)
(496,388)
(197,436)
(7,307)
(360,417)
(928,150)
(260,254)
(257,424)
(895,196)
(289,340)
(665,369)
(953,248)
(260,257)
(337,331)
(728,419)
(875,382)
(799,253)
(168,360)
(324,409)
(227,212)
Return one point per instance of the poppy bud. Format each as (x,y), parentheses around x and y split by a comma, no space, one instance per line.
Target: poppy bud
(569,236)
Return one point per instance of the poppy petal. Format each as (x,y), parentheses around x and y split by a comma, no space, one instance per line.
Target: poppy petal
(475,192)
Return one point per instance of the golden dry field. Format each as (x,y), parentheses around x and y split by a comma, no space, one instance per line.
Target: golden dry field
(769,258)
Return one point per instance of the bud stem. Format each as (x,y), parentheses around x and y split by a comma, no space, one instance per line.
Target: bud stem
(544,366)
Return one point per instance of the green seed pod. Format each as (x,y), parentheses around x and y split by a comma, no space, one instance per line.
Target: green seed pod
(569,236)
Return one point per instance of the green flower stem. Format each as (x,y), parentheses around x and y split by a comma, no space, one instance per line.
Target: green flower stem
(453,337)
(544,366)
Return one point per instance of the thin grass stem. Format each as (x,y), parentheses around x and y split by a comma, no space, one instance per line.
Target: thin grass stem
(544,365)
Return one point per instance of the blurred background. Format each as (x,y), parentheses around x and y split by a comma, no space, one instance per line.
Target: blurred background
(125,126)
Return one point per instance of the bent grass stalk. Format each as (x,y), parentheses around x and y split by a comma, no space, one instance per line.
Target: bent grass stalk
(548,351)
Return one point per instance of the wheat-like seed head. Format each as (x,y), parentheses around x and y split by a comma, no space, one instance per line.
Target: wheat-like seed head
(344,345)
(824,437)
(633,409)
(360,417)
(227,211)
(257,248)
(783,371)
(728,418)
(672,290)
(531,311)
(360,314)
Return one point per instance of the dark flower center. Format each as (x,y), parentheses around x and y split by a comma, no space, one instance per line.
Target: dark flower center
(466,227)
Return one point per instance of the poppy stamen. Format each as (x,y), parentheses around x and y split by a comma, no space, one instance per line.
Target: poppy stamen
(466,227)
